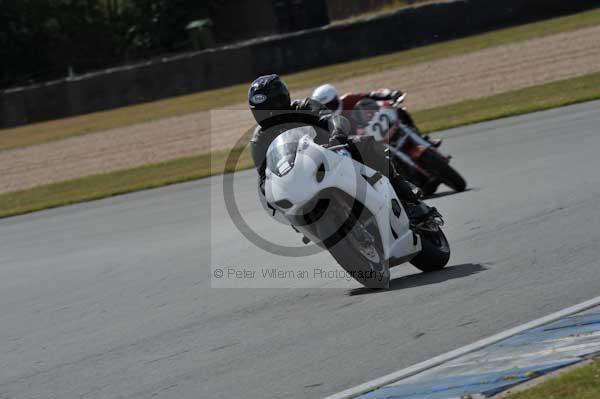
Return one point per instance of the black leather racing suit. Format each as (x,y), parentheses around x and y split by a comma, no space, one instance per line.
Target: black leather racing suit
(310,112)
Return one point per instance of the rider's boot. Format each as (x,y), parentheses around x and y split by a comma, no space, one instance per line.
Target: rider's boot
(416,210)
(434,142)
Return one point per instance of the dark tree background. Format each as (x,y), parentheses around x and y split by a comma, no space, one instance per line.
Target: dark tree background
(45,39)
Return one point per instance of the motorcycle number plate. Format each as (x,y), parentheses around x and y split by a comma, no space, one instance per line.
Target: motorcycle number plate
(381,122)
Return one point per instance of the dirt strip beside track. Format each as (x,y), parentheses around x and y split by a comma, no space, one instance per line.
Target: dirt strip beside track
(446,81)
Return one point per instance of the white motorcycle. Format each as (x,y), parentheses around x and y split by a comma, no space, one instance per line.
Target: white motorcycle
(348,208)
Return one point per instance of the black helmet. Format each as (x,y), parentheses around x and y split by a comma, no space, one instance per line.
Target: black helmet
(266,95)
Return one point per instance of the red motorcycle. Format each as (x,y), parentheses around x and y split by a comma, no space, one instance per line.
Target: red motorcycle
(416,156)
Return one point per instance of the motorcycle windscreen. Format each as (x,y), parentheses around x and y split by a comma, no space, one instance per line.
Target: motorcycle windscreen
(281,154)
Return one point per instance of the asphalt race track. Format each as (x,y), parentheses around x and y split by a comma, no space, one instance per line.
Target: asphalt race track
(112,299)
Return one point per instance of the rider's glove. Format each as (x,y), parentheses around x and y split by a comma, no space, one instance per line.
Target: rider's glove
(296,104)
(385,94)
(396,94)
(308,104)
(337,124)
(338,139)
(339,128)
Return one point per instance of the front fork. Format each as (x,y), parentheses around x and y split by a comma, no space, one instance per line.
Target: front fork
(406,118)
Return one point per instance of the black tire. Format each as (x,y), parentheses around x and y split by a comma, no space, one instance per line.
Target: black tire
(430,188)
(452,178)
(371,274)
(357,266)
(435,164)
(435,252)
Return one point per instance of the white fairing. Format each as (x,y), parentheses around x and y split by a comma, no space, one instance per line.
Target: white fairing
(298,187)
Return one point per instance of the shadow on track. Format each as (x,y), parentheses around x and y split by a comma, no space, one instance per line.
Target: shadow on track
(446,193)
(420,279)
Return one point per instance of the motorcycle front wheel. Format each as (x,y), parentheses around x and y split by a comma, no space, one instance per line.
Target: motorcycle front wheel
(355,245)
(364,261)
(452,178)
(435,253)
(446,173)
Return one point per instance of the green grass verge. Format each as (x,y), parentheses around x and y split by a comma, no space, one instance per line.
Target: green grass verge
(522,101)
(580,383)
(58,129)
(536,98)
(120,182)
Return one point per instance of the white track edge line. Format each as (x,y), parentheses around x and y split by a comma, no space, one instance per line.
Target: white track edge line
(446,357)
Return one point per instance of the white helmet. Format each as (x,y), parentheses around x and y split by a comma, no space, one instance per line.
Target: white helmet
(329,97)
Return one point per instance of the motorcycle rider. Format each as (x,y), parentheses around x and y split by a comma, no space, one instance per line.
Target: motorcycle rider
(329,96)
(270,104)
